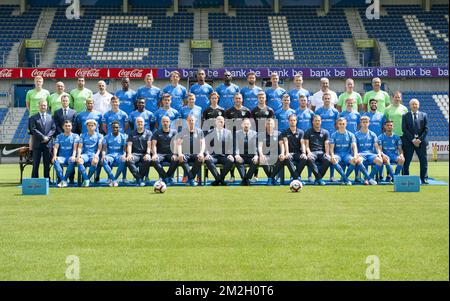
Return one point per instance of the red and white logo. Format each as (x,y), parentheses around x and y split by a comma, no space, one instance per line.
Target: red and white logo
(44,73)
(87,73)
(135,73)
(6,73)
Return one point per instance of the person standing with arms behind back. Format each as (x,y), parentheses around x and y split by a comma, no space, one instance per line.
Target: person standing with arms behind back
(80,95)
(415,138)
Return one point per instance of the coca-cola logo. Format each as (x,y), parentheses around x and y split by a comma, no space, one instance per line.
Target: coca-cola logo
(6,73)
(43,73)
(131,73)
(87,73)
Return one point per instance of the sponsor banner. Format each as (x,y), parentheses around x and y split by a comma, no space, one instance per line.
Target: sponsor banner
(389,72)
(129,72)
(44,72)
(10,150)
(9,73)
(442,147)
(370,72)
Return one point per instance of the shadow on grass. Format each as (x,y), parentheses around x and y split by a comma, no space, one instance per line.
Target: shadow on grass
(9,184)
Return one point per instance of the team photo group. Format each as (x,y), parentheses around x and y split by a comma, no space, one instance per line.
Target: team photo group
(225,129)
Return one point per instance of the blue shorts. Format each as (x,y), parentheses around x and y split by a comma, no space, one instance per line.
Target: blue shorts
(344,158)
(63,160)
(392,157)
(87,158)
(368,157)
(113,159)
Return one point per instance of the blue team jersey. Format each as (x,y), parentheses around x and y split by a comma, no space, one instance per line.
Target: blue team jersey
(202,93)
(377,121)
(85,115)
(178,93)
(283,118)
(274,98)
(90,143)
(149,119)
(352,120)
(152,97)
(250,97)
(127,99)
(366,141)
(329,117)
(389,144)
(119,116)
(295,94)
(342,142)
(226,94)
(171,113)
(196,111)
(115,144)
(66,144)
(304,119)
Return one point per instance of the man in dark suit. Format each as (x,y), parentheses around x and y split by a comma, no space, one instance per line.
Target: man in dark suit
(414,139)
(63,114)
(219,150)
(246,151)
(42,128)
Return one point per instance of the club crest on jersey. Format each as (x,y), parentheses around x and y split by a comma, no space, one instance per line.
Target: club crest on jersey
(243,113)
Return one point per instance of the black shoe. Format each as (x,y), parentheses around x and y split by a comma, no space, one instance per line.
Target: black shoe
(425,182)
(245,182)
(223,183)
(215,183)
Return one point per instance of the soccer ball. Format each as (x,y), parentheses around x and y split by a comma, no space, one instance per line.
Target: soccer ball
(295,186)
(159,187)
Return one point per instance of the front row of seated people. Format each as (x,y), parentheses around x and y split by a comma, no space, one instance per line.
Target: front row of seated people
(244,148)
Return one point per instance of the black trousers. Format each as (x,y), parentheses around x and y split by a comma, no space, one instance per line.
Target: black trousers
(196,165)
(241,167)
(273,170)
(221,159)
(159,168)
(296,165)
(43,151)
(421,151)
(318,158)
(138,167)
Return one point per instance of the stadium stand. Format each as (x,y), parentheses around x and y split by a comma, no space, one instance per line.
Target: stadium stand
(21,135)
(3,112)
(147,31)
(405,28)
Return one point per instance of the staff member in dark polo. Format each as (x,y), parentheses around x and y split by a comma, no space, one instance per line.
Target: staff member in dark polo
(294,148)
(246,151)
(317,149)
(42,128)
(219,150)
(191,149)
(271,152)
(63,114)
(163,142)
(415,139)
(138,151)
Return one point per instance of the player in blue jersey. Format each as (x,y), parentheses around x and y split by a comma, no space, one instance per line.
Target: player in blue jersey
(343,150)
(191,109)
(377,119)
(127,97)
(90,113)
(226,91)
(250,92)
(114,153)
(392,151)
(65,153)
(202,90)
(115,114)
(297,92)
(150,93)
(369,150)
(282,115)
(149,117)
(275,93)
(167,110)
(304,114)
(89,147)
(177,91)
(351,116)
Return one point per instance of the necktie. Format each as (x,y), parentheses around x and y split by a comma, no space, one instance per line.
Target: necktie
(43,117)
(416,123)
(246,144)
(65,113)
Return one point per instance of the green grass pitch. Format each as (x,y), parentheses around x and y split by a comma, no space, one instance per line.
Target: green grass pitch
(225,233)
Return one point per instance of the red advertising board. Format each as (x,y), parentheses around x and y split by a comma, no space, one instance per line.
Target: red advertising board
(29,73)
(6,73)
(129,72)
(44,72)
